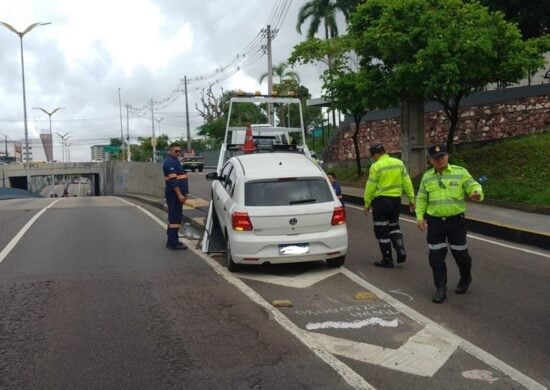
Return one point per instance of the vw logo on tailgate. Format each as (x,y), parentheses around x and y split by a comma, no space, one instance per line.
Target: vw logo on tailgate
(293,221)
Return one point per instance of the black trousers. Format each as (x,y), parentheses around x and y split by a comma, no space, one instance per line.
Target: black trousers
(175,215)
(453,231)
(385,214)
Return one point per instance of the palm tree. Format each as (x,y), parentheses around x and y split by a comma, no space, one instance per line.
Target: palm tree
(282,72)
(320,11)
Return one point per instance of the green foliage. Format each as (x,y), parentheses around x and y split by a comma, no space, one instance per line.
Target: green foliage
(320,11)
(144,151)
(283,73)
(518,170)
(532,16)
(440,49)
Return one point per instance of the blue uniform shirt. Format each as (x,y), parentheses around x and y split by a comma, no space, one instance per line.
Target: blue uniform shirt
(175,175)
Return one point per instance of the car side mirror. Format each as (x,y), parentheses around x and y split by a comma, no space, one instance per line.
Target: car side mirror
(212,176)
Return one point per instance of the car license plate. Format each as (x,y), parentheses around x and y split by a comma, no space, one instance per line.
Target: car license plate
(293,249)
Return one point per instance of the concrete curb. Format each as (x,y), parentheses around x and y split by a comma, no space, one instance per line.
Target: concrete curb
(501,231)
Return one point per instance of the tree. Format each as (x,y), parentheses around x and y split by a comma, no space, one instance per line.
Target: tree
(283,73)
(532,16)
(439,49)
(215,109)
(320,11)
(352,90)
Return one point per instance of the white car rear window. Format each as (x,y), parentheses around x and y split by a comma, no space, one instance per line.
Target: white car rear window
(284,192)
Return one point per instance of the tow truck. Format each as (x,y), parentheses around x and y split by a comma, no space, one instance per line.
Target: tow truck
(266,137)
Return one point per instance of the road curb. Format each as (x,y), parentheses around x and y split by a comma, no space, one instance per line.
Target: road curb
(492,229)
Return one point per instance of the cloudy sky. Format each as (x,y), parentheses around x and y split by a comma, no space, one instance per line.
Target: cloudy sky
(144,47)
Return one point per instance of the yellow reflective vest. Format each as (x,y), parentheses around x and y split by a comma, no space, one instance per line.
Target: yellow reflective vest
(442,194)
(388,177)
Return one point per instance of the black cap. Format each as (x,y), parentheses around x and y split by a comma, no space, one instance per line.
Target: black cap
(376,148)
(437,150)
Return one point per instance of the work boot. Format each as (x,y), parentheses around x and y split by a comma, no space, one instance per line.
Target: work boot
(440,295)
(463,285)
(176,247)
(384,263)
(401,259)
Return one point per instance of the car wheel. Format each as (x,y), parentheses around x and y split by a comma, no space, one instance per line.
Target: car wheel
(192,169)
(200,169)
(336,262)
(231,265)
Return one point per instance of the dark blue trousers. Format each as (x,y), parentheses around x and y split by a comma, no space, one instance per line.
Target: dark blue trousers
(175,215)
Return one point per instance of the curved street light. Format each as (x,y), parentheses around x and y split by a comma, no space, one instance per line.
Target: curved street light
(49,114)
(21,34)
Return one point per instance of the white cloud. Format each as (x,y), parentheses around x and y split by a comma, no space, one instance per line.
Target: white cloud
(144,47)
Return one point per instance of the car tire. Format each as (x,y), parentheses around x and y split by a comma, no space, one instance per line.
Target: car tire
(192,169)
(336,262)
(231,265)
(200,169)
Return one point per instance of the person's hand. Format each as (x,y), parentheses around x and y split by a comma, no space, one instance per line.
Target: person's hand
(475,197)
(421,225)
(412,206)
(366,210)
(182,199)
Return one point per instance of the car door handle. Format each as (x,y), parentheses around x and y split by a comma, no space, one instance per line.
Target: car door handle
(224,209)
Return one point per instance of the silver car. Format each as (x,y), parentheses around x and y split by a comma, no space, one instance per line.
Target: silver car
(278,208)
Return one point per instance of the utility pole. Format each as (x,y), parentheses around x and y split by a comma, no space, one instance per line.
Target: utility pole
(153,139)
(187,115)
(121,131)
(270,117)
(129,153)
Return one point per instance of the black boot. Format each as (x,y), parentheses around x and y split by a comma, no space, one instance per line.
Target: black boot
(397,241)
(440,295)
(385,263)
(463,285)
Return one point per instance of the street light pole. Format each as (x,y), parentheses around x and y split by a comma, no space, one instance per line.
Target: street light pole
(21,34)
(121,131)
(49,114)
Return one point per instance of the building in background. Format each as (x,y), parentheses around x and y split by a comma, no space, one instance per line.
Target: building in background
(14,151)
(98,154)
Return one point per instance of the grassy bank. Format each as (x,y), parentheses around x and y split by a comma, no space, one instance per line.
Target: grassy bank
(517,170)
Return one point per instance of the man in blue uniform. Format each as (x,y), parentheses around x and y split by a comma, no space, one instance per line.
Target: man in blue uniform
(176,191)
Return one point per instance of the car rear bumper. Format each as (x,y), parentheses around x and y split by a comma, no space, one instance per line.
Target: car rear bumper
(247,248)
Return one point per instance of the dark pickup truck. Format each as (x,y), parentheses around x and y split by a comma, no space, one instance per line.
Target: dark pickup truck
(193,163)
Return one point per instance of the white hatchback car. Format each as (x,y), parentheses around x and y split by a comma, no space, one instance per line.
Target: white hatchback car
(278,208)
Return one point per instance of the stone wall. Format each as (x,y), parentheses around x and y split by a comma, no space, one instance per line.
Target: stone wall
(485,116)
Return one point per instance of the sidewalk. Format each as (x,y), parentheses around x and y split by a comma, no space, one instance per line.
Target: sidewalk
(514,225)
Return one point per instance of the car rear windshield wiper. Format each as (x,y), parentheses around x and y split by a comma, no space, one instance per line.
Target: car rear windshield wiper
(312,200)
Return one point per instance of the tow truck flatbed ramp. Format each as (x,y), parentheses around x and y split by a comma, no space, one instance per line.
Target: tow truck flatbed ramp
(213,240)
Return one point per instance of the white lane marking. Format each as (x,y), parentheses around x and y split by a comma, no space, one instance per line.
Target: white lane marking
(302,281)
(481,375)
(315,343)
(423,354)
(353,324)
(400,292)
(477,352)
(8,248)
(477,238)
(351,377)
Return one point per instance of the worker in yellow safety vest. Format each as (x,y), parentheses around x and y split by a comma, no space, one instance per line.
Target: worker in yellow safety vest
(440,206)
(388,180)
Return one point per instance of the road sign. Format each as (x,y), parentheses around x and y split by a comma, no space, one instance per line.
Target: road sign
(111,149)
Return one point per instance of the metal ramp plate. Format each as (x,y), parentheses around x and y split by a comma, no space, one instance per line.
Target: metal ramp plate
(213,239)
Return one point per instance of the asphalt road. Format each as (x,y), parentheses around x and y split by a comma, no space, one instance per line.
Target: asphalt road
(505,312)
(90,298)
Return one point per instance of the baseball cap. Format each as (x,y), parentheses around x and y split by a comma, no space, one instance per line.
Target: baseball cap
(376,148)
(437,150)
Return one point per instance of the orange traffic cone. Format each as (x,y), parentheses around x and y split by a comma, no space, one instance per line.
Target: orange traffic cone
(249,146)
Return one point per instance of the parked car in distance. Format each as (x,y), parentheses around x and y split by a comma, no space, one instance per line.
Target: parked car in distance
(278,208)
(193,163)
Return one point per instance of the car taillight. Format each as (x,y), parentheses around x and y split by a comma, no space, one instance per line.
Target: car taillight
(241,221)
(338,216)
